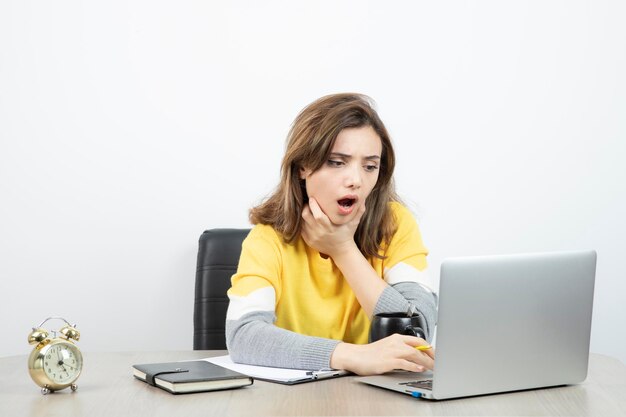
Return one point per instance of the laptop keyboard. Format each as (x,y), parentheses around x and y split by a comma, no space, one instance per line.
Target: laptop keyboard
(423,384)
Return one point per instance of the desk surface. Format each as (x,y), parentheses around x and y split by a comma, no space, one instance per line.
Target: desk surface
(107,388)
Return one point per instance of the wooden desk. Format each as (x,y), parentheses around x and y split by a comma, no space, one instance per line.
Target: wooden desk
(107,388)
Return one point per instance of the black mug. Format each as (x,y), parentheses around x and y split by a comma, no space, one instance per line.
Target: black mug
(386,324)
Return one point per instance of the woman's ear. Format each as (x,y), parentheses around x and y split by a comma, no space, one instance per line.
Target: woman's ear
(304,173)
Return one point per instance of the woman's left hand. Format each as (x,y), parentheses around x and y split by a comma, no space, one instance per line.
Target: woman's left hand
(323,235)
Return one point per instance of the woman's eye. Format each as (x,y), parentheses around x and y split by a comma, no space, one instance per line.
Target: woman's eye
(370,168)
(334,163)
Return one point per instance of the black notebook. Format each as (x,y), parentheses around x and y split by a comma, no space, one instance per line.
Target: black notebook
(193,376)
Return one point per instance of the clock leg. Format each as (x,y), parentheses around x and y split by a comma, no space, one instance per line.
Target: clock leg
(74,387)
(45,390)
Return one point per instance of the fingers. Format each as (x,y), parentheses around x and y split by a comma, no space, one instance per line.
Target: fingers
(317,212)
(312,212)
(416,341)
(406,365)
(428,352)
(391,353)
(315,208)
(320,233)
(423,358)
(316,223)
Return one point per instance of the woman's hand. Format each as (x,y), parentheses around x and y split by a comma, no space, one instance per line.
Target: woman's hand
(324,236)
(388,354)
(337,241)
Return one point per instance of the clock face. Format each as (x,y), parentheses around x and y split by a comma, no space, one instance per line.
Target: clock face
(62,363)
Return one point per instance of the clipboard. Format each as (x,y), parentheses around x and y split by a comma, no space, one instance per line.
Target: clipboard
(278,375)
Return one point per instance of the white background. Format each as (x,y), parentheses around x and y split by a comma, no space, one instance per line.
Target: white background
(129,127)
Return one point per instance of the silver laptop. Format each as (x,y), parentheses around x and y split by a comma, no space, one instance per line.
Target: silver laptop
(507,323)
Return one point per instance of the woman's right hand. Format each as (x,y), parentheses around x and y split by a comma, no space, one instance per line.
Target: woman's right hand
(388,354)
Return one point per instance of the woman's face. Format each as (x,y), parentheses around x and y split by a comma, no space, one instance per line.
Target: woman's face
(345,180)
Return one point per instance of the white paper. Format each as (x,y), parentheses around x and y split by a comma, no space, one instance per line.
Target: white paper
(267,372)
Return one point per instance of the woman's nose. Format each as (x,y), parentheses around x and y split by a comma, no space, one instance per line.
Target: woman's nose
(353,177)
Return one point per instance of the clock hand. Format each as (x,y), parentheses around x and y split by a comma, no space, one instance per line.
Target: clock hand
(60,363)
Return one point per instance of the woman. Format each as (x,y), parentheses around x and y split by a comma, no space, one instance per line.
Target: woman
(332,246)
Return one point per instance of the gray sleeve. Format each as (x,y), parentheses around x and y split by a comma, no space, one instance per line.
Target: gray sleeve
(403,295)
(254,339)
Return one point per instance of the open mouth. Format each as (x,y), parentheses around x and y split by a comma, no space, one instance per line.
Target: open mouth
(347,202)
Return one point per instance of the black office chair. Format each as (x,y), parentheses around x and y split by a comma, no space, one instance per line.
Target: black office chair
(218,256)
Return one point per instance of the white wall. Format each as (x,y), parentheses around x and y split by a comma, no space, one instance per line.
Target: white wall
(129,127)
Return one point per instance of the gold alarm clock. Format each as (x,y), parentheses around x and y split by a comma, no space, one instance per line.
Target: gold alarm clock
(56,362)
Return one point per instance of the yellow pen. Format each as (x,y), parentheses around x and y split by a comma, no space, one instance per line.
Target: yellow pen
(423,347)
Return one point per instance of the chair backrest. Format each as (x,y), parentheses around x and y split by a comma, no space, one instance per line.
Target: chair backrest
(218,256)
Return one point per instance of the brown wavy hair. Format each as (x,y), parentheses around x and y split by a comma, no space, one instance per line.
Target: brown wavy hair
(309,144)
